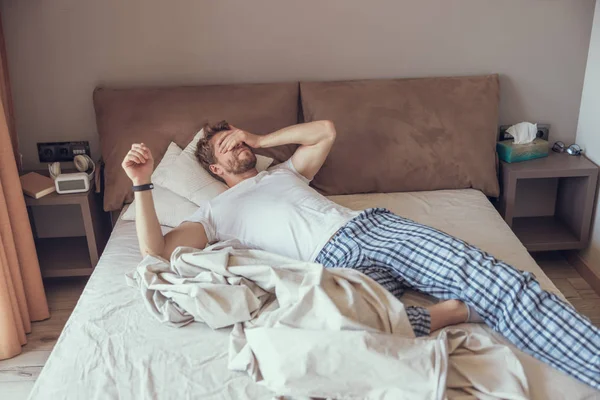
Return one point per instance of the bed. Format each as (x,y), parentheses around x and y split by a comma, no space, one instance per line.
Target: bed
(112,347)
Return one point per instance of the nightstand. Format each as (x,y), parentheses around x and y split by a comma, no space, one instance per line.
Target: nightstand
(76,255)
(548,202)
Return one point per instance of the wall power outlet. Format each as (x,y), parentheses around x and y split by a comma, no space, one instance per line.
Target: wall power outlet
(542,133)
(62,151)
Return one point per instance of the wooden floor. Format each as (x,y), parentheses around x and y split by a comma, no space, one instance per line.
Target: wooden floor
(18,374)
(571,284)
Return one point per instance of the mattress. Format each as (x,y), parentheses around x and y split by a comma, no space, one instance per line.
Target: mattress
(112,347)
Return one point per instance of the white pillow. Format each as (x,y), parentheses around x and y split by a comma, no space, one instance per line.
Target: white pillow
(162,169)
(187,178)
(171,209)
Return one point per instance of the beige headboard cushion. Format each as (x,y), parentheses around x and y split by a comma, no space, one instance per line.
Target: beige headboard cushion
(157,116)
(407,134)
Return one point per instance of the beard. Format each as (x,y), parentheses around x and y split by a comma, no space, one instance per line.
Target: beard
(242,163)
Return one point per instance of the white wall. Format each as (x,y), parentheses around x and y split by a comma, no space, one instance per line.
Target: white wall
(59,50)
(588,129)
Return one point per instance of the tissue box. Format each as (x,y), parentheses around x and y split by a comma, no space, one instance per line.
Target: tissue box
(510,152)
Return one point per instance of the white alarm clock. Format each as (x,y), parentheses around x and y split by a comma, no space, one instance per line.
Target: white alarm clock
(77,182)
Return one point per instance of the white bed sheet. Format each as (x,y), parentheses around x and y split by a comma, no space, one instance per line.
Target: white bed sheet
(112,347)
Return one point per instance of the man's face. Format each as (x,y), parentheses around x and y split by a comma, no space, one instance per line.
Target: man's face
(236,161)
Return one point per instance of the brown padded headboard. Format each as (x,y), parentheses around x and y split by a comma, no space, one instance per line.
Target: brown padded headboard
(392,135)
(402,135)
(157,116)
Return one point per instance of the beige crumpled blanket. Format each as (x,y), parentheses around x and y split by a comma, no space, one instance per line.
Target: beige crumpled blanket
(306,331)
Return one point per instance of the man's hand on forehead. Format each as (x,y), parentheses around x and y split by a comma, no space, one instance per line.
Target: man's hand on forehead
(234,137)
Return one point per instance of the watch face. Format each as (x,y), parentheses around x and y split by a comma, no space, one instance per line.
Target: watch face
(71,185)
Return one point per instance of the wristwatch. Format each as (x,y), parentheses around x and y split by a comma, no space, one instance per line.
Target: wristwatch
(141,188)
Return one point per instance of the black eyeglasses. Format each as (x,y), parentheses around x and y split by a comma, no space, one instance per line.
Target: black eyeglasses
(574,149)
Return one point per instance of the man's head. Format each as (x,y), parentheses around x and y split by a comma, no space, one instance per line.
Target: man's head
(223,166)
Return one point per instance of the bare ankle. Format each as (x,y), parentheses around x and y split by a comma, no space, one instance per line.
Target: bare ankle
(449,312)
(458,310)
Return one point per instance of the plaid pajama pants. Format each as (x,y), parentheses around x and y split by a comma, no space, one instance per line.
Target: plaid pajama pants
(401,254)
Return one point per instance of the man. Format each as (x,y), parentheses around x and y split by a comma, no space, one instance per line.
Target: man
(277,211)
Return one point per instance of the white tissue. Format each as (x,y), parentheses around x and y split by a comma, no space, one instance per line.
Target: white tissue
(524,132)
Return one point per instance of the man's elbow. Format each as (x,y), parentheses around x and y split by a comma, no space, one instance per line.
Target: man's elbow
(329,130)
(154,253)
(147,252)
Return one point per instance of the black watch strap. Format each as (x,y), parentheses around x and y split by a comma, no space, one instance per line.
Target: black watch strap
(141,188)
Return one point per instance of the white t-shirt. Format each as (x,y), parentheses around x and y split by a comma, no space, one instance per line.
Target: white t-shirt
(275,211)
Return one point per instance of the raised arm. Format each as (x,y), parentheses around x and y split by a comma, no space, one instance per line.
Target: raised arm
(315,140)
(139,164)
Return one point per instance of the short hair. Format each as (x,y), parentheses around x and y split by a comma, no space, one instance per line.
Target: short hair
(204,149)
